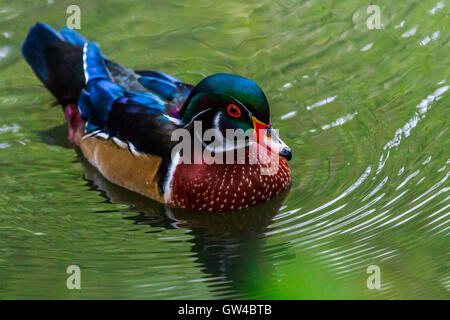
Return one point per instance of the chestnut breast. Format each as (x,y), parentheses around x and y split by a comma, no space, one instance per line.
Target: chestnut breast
(227,187)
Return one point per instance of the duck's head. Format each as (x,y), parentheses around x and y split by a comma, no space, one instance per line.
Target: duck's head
(227,101)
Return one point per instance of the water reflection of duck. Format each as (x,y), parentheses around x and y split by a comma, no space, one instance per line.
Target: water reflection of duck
(123,121)
(228,246)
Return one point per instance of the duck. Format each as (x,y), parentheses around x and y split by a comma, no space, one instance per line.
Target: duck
(129,123)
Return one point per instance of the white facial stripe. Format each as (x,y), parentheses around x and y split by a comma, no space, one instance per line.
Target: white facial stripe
(173,120)
(229,144)
(217,121)
(198,114)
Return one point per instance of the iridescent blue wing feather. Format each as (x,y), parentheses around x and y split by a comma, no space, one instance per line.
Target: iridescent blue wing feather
(72,37)
(139,107)
(133,117)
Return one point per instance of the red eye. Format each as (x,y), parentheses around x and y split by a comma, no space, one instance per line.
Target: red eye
(233,111)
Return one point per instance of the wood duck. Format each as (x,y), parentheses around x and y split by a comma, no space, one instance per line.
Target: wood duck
(124,123)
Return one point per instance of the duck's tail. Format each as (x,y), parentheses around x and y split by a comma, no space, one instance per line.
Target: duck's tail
(57,59)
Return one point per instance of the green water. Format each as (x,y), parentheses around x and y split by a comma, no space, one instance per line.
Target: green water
(366,115)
